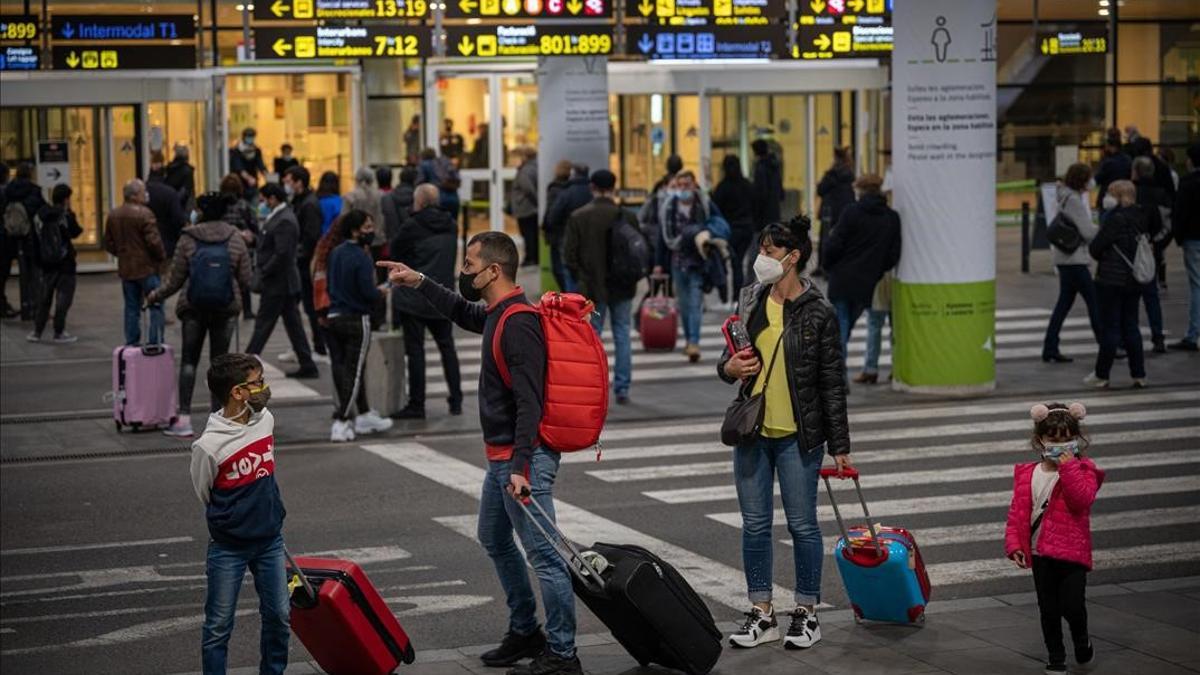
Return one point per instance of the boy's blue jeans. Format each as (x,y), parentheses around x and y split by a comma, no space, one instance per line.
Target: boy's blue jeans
(499,517)
(225,568)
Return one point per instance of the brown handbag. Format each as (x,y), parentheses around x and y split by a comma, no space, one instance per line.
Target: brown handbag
(744,417)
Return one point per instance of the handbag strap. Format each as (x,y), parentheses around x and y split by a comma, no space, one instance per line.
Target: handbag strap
(774,354)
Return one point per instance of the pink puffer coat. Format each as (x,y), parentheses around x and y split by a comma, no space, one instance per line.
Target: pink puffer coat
(1065,533)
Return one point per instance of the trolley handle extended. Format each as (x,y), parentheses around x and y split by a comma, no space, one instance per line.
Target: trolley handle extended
(842,474)
(580,567)
(308,589)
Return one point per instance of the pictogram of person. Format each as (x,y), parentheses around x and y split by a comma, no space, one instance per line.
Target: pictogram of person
(940,40)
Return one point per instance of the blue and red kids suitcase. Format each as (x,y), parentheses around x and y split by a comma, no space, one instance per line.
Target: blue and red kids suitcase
(881,567)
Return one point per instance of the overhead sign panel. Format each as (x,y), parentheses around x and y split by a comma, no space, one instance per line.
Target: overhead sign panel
(706,43)
(304,10)
(528,9)
(341,42)
(830,42)
(844,12)
(102,27)
(21,57)
(122,57)
(1087,41)
(711,12)
(18,28)
(529,40)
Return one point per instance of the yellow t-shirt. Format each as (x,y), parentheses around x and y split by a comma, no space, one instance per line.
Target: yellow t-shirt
(778,419)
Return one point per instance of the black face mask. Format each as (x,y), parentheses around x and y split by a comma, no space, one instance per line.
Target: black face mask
(365,238)
(259,399)
(466,287)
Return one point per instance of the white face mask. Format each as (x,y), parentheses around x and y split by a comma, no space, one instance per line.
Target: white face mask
(768,269)
(1091,184)
(1109,202)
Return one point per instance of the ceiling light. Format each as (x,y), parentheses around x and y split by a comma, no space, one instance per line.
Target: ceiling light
(1102,12)
(1104,3)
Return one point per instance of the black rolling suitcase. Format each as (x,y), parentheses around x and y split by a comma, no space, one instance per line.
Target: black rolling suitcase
(648,606)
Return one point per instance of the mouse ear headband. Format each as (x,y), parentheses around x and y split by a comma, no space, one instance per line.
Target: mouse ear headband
(1040,412)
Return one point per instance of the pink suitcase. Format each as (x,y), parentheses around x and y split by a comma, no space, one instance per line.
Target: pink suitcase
(144,391)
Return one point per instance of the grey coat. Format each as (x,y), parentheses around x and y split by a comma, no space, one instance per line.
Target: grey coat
(1074,205)
(277,273)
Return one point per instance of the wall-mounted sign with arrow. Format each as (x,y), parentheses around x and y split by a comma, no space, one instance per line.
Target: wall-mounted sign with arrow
(709,12)
(305,10)
(122,57)
(53,165)
(701,43)
(815,43)
(589,10)
(342,42)
(529,40)
(104,27)
(844,12)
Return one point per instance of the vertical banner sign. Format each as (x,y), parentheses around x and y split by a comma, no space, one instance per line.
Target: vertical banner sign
(944,183)
(574,124)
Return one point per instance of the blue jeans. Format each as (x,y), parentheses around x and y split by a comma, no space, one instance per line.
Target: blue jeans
(848,312)
(689,289)
(1072,280)
(225,568)
(620,321)
(135,292)
(875,321)
(754,470)
(499,516)
(1191,262)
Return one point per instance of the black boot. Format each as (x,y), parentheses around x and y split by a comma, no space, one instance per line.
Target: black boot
(515,647)
(549,664)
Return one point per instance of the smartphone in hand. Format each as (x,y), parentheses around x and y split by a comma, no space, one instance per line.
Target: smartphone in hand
(737,338)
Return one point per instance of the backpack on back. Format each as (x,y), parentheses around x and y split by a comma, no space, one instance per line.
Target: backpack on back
(16,220)
(628,253)
(576,396)
(210,275)
(51,248)
(1142,266)
(447,176)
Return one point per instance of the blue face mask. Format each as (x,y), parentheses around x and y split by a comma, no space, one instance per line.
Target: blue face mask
(195,217)
(1053,452)
(263,209)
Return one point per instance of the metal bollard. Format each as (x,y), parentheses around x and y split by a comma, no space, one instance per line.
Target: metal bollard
(1025,225)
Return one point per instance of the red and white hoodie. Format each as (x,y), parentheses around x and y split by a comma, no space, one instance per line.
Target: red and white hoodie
(233,472)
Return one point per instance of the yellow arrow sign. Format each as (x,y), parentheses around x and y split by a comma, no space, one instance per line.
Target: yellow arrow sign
(818,6)
(281,47)
(822,42)
(73,59)
(279,9)
(573,6)
(646,7)
(467,6)
(465,46)
(856,5)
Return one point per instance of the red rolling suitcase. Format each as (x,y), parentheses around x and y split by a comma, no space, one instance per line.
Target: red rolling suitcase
(658,318)
(342,620)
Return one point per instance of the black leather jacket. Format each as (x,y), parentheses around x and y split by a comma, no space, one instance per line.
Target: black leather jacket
(812,351)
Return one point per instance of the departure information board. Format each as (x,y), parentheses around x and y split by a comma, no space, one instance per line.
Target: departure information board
(304,10)
(341,42)
(104,27)
(827,12)
(529,40)
(19,32)
(1089,41)
(528,9)
(710,12)
(122,57)
(701,43)
(18,28)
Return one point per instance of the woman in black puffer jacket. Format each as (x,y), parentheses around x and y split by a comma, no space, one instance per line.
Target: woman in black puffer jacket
(1117,292)
(795,333)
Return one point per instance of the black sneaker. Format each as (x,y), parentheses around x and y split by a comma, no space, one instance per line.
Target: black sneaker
(1053,668)
(1084,654)
(1160,346)
(805,630)
(455,407)
(410,413)
(549,663)
(759,627)
(513,648)
(1185,346)
(305,374)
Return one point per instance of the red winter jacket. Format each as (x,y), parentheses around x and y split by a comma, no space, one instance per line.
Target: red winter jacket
(1065,533)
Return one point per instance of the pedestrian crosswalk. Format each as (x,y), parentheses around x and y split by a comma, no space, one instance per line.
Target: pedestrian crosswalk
(942,470)
(1019,336)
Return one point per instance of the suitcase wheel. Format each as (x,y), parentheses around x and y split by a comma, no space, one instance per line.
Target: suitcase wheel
(135,425)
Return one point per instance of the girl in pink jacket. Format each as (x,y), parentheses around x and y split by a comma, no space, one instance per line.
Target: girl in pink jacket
(1048,528)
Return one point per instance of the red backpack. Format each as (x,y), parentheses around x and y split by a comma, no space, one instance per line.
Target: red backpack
(576,397)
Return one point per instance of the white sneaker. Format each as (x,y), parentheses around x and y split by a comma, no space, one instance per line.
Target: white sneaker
(371,422)
(180,428)
(287,357)
(342,431)
(760,627)
(318,358)
(65,339)
(1093,381)
(804,632)
(33,337)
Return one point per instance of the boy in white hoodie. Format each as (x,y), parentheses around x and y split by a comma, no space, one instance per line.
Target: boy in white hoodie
(233,471)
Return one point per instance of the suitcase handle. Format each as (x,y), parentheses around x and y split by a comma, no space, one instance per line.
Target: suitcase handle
(308,588)
(580,567)
(852,473)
